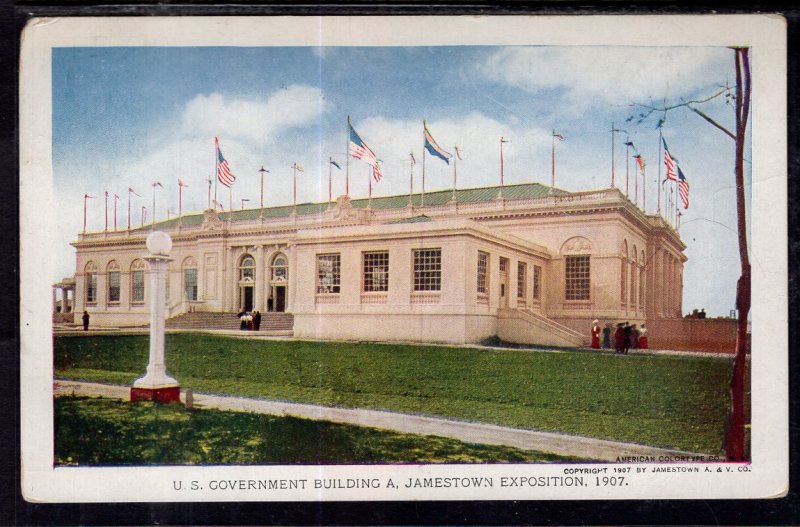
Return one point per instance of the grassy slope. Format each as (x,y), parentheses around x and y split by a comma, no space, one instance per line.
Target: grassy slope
(145,433)
(659,400)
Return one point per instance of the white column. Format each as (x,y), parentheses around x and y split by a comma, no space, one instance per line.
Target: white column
(261,279)
(156,376)
(63,299)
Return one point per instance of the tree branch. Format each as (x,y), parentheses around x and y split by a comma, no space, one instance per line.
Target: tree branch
(713,122)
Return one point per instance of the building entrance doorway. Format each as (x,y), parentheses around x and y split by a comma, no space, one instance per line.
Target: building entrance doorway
(503,283)
(247,298)
(280,299)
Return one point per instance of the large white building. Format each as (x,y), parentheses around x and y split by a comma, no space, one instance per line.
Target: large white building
(523,262)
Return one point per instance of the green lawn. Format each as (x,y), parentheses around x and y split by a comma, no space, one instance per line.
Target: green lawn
(95,431)
(659,400)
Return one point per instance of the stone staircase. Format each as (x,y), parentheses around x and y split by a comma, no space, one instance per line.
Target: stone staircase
(271,323)
(528,327)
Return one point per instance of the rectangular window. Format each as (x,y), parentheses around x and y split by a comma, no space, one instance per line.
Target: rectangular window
(577,276)
(190,283)
(522,279)
(91,288)
(483,271)
(137,286)
(113,286)
(376,272)
(537,282)
(329,273)
(427,269)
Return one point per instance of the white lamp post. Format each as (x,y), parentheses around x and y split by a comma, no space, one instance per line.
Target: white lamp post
(156,385)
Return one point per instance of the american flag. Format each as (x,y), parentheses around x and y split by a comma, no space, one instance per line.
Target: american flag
(670,162)
(360,150)
(224,174)
(683,188)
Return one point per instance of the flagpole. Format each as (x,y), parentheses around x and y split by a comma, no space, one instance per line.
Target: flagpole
(644,188)
(422,197)
(411,177)
(216,162)
(209,192)
(180,199)
(144,214)
(660,141)
(627,167)
(635,188)
(501,165)
(115,212)
(106,227)
(261,171)
(455,172)
(613,172)
(294,187)
(330,180)
(553,163)
(129,208)
(347,161)
(369,181)
(85,196)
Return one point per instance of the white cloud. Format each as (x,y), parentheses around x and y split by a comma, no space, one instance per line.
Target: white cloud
(254,120)
(617,75)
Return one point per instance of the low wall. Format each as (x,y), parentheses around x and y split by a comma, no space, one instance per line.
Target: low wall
(709,335)
(439,328)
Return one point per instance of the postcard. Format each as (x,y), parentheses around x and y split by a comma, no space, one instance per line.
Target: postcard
(403,258)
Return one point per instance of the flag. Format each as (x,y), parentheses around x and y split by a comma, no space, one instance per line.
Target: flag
(559,136)
(87,196)
(224,174)
(413,159)
(298,167)
(670,162)
(433,147)
(116,197)
(181,183)
(360,150)
(131,190)
(458,153)
(683,188)
(157,184)
(334,163)
(217,204)
(640,162)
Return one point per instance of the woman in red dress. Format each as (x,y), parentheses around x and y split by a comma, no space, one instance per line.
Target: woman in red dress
(595,334)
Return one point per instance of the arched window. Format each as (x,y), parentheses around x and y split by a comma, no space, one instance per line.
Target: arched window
(138,267)
(623,273)
(113,282)
(280,269)
(90,277)
(247,269)
(190,278)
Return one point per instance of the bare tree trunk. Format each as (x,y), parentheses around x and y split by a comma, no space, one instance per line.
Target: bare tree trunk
(735,435)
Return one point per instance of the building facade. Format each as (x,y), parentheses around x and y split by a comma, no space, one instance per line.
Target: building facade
(524,262)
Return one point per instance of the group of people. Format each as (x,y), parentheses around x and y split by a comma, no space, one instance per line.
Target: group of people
(624,337)
(250,321)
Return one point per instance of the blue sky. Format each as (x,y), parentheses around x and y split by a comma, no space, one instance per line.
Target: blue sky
(131,116)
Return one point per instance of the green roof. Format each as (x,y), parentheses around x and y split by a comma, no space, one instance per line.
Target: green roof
(414,219)
(439,197)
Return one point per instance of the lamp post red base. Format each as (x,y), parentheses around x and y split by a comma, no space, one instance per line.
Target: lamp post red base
(171,394)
